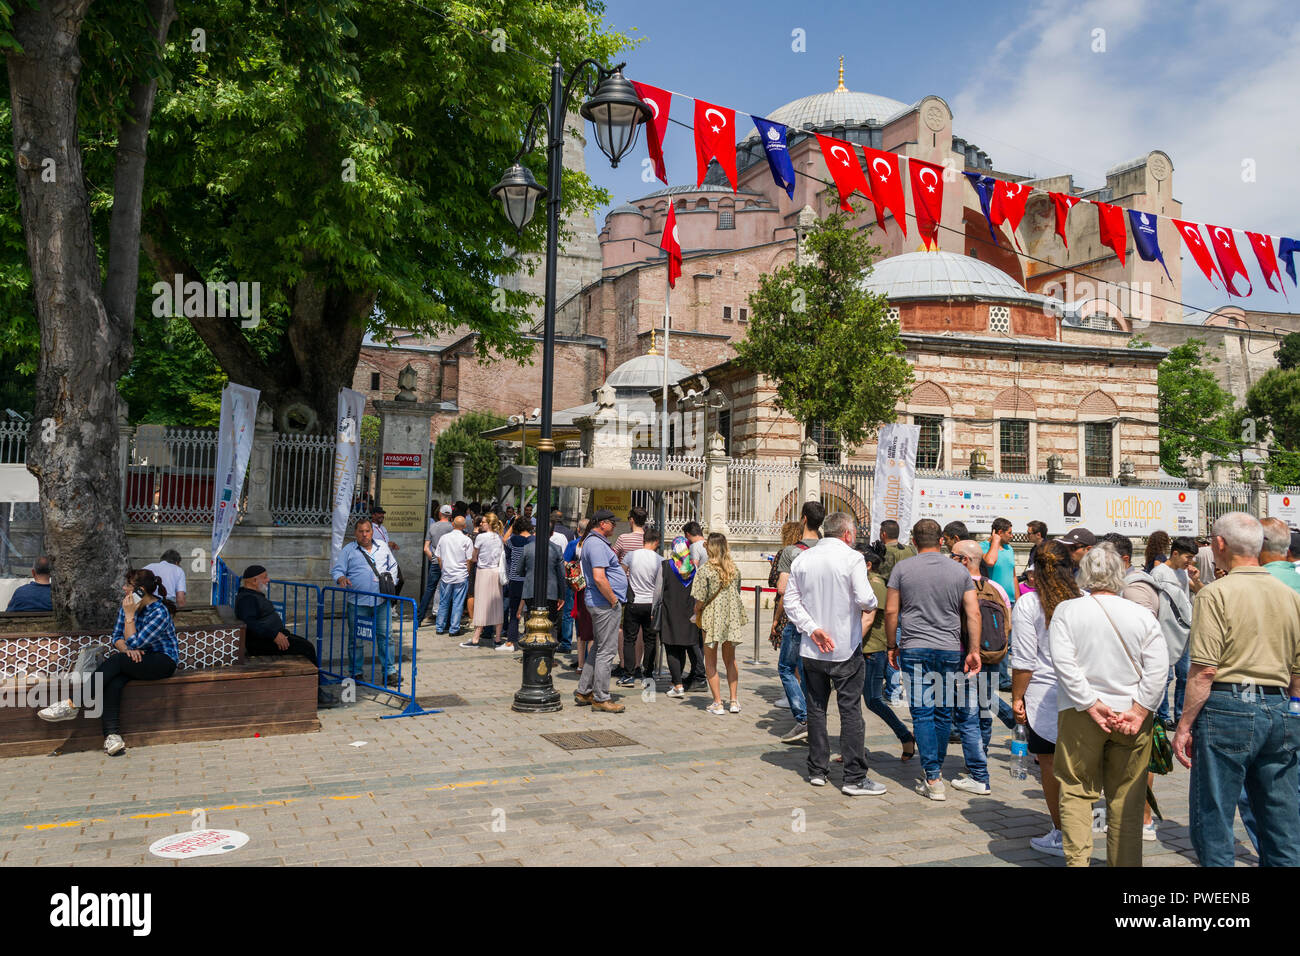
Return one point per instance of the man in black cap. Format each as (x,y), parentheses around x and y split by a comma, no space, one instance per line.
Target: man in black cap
(266,633)
(1079,541)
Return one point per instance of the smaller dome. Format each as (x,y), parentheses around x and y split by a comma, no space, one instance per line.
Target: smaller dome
(625,209)
(646,372)
(944,275)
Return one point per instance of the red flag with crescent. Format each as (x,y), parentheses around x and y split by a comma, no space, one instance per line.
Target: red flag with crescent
(1190,233)
(1266,256)
(1063,202)
(715,138)
(1225,250)
(1110,227)
(670,244)
(927,198)
(1008,205)
(842,161)
(886,178)
(659,101)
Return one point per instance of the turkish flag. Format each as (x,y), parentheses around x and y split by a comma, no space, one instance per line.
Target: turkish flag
(845,169)
(927,198)
(1267,258)
(1063,203)
(1225,250)
(715,138)
(670,244)
(1110,227)
(659,101)
(886,178)
(1190,233)
(1008,205)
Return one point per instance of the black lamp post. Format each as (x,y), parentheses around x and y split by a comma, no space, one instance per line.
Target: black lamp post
(617,113)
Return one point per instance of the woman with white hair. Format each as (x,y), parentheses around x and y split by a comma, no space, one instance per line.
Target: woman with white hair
(1111,666)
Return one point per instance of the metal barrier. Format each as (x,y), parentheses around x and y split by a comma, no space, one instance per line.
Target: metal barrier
(299,606)
(344,630)
(758,606)
(224,584)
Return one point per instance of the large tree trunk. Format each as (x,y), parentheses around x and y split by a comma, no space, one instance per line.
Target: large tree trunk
(85,335)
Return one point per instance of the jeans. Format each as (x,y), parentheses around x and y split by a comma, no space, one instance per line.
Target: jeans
(894,680)
(872,690)
(939,695)
(119,670)
(381,614)
(787,664)
(987,681)
(600,656)
(514,599)
(451,606)
(847,676)
(1180,680)
(1162,712)
(430,589)
(566,621)
(1238,740)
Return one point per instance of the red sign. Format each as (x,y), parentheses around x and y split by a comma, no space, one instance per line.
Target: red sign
(1182,496)
(402,460)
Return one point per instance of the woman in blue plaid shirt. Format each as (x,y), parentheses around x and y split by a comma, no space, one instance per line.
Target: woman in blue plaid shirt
(144,640)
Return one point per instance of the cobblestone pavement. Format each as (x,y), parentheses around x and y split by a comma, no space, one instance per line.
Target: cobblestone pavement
(477,783)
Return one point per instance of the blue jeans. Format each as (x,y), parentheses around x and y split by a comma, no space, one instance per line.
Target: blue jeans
(1180,680)
(430,588)
(566,621)
(787,665)
(381,614)
(451,607)
(939,694)
(873,694)
(987,680)
(894,679)
(1237,741)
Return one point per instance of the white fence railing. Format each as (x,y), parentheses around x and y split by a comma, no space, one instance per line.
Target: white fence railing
(679,506)
(761,496)
(1223,498)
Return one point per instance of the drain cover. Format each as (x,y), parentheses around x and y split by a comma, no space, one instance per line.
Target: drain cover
(589,739)
(442,700)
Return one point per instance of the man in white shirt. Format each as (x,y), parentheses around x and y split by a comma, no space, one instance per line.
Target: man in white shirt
(824,598)
(455,550)
(173,576)
(645,582)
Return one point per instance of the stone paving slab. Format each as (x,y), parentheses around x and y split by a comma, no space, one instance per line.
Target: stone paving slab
(477,784)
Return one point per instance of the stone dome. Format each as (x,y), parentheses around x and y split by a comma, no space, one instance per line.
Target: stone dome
(944,275)
(837,108)
(646,372)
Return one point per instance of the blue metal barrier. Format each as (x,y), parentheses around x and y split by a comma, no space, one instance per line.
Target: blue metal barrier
(298,606)
(345,630)
(224,583)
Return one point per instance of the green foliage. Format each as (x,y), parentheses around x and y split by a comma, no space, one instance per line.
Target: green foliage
(1139,341)
(1274,403)
(826,343)
(174,379)
(1193,407)
(1288,353)
(482,465)
(370,429)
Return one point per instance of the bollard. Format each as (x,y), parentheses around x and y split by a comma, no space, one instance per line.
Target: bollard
(758,602)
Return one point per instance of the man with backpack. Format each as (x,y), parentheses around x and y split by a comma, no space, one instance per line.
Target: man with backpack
(995,637)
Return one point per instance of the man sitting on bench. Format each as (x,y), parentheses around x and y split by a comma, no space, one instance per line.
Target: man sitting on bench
(266,633)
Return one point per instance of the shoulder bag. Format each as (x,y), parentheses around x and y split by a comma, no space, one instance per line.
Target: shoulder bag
(386,583)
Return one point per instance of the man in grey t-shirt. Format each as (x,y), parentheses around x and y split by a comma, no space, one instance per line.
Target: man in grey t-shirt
(929,595)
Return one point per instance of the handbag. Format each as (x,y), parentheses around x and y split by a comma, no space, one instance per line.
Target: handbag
(1162,751)
(386,583)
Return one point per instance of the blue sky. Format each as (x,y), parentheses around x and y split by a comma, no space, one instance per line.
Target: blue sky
(1211,83)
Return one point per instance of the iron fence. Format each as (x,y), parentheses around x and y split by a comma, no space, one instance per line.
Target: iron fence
(762,495)
(170,476)
(679,506)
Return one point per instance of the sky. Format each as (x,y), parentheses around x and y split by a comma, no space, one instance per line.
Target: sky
(1211,83)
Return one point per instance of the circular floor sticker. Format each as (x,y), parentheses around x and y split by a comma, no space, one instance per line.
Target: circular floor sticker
(193,843)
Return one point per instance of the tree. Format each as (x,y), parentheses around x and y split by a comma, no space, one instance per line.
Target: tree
(481,465)
(1192,406)
(829,345)
(85,319)
(1288,353)
(1274,403)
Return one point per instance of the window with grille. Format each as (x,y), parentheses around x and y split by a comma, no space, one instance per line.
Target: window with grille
(891,314)
(1099,320)
(744,315)
(929,446)
(999,318)
(1097,439)
(726,313)
(726,219)
(828,442)
(1013,445)
(374,381)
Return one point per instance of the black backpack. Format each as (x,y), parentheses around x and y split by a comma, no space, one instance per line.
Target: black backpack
(995,625)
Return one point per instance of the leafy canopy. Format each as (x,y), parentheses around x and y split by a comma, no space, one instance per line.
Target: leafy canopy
(1194,409)
(482,465)
(1274,403)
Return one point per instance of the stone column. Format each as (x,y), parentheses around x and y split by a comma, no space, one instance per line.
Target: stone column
(458,475)
(124,432)
(505,458)
(1197,482)
(1258,492)
(259,468)
(810,473)
(715,505)
(403,483)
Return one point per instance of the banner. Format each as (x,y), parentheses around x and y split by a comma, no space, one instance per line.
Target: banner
(234,445)
(1101,509)
(347,444)
(891,492)
(1286,507)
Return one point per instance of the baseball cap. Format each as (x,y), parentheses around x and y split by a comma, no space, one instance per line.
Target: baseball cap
(604,514)
(1079,538)
(445,510)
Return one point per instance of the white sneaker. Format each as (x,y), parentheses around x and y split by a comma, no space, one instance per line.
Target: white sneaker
(971,785)
(676,692)
(1051,843)
(114,745)
(867,788)
(1149,832)
(63,710)
(817,781)
(931,789)
(716,709)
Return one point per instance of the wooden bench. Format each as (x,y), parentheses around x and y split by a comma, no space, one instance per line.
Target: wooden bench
(215,694)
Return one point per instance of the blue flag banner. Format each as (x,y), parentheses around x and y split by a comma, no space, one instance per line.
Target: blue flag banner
(1145,238)
(1286,252)
(984,186)
(772,135)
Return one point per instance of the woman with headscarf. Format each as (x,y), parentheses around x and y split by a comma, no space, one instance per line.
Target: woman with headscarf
(677,630)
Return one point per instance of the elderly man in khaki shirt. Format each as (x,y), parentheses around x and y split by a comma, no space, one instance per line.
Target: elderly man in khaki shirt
(1245,665)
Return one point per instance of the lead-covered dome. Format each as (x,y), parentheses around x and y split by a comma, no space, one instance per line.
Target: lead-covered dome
(944,275)
(646,372)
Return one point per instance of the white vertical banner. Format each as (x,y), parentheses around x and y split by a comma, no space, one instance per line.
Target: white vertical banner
(347,444)
(234,446)
(891,491)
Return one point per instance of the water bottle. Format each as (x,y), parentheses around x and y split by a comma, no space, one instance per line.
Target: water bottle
(1019,754)
(1293,709)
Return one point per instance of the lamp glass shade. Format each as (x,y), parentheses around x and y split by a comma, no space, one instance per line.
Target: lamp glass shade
(518,192)
(617,113)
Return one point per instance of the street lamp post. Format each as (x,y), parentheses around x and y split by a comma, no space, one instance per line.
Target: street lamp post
(617,113)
